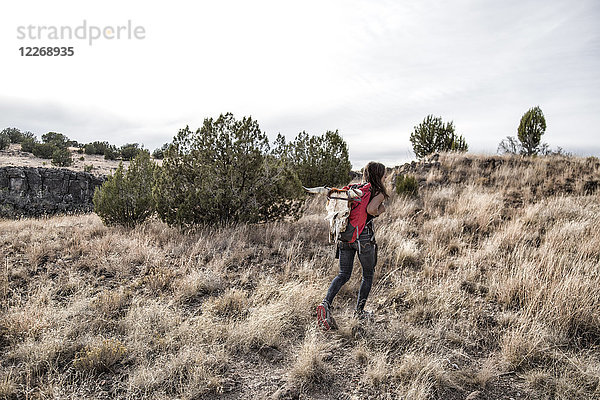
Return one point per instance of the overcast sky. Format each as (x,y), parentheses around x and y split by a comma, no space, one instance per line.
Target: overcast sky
(371,69)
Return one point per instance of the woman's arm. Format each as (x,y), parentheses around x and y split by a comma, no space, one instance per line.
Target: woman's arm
(376,206)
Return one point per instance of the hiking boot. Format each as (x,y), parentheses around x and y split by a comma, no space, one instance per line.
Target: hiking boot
(364,315)
(359,311)
(324,317)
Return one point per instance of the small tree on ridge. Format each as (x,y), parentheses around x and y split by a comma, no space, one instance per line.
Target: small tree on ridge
(530,131)
(433,135)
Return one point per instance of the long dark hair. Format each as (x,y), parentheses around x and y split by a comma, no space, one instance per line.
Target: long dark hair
(373,173)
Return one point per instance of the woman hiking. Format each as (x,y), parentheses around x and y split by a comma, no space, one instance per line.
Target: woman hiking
(362,241)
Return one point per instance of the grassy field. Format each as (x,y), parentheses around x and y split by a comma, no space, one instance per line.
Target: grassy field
(487,287)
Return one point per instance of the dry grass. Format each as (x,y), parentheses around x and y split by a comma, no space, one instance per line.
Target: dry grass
(100,356)
(311,369)
(488,282)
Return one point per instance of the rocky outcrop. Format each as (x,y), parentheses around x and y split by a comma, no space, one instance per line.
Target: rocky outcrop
(30,191)
(418,168)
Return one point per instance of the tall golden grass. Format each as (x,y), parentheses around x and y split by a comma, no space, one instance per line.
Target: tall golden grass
(488,285)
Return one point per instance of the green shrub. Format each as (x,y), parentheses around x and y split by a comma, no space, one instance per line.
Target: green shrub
(126,198)
(62,157)
(88,168)
(90,149)
(44,150)
(434,135)
(4,141)
(531,128)
(98,147)
(159,153)
(16,136)
(58,139)
(317,160)
(224,171)
(111,153)
(27,144)
(407,185)
(27,135)
(130,150)
(13,134)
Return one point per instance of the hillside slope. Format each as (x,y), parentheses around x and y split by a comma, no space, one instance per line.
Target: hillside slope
(93,163)
(487,287)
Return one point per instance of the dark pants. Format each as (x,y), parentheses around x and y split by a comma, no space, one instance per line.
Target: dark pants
(368,259)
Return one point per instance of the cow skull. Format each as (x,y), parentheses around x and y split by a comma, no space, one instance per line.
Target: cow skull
(351,193)
(338,207)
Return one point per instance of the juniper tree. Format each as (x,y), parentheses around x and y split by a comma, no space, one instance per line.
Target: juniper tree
(221,172)
(126,197)
(44,150)
(4,140)
(16,135)
(530,131)
(9,135)
(58,140)
(61,157)
(159,152)
(28,144)
(128,151)
(318,160)
(433,135)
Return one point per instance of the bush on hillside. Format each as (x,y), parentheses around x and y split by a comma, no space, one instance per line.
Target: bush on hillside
(44,150)
(58,140)
(4,141)
(62,157)
(433,135)
(111,152)
(159,153)
(16,135)
(530,131)
(224,172)
(27,144)
(12,134)
(317,160)
(130,150)
(98,148)
(407,185)
(27,136)
(126,197)
(90,149)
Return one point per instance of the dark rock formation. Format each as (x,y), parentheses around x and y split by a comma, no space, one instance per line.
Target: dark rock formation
(418,168)
(29,191)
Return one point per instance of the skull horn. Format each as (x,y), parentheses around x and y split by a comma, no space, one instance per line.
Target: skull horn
(317,190)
